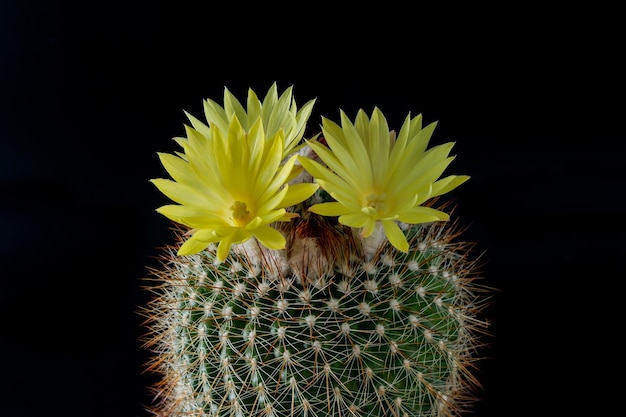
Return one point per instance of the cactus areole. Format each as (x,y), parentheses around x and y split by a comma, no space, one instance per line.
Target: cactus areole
(311,277)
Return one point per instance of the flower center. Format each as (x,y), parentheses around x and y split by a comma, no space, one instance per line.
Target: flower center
(376,202)
(241,215)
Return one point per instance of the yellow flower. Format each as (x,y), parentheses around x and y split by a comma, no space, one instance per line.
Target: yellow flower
(276,113)
(376,178)
(230,185)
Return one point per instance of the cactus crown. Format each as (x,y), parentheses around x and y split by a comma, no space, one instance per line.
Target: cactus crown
(313,278)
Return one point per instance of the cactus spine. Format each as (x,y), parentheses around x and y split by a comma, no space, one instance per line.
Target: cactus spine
(393,335)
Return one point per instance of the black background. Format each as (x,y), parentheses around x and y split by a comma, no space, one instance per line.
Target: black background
(91,92)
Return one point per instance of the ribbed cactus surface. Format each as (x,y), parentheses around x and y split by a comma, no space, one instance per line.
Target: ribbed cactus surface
(367,332)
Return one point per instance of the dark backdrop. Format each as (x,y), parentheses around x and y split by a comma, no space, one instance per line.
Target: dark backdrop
(90,92)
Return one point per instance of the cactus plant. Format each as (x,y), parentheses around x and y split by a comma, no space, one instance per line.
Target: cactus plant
(311,277)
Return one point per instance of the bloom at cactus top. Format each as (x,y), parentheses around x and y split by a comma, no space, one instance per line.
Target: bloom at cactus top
(375,177)
(230,185)
(276,112)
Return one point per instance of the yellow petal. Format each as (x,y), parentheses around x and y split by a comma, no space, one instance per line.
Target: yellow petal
(272,216)
(397,151)
(270,237)
(448,183)
(333,184)
(362,123)
(356,220)
(198,125)
(270,202)
(395,235)
(297,131)
(341,164)
(288,216)
(185,173)
(255,142)
(351,161)
(283,174)
(378,144)
(237,236)
(329,209)
(280,115)
(297,193)
(214,234)
(316,169)
(354,143)
(422,214)
(399,205)
(233,106)
(412,166)
(181,193)
(215,115)
(368,227)
(178,168)
(342,192)
(295,171)
(269,178)
(192,246)
(420,177)
(167,212)
(191,216)
(223,248)
(419,137)
(369,211)
(254,223)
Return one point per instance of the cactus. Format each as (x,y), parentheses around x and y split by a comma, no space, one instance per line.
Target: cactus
(378,318)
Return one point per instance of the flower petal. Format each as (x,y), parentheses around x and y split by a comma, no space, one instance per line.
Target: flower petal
(413,166)
(329,209)
(194,217)
(369,226)
(181,193)
(378,144)
(178,168)
(340,164)
(270,237)
(421,214)
(223,248)
(297,193)
(342,193)
(421,178)
(192,246)
(448,184)
(272,216)
(317,170)
(237,236)
(395,235)
(356,220)
(198,125)
(232,106)
(397,151)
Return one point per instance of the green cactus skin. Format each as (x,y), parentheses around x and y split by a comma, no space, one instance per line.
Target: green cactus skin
(390,334)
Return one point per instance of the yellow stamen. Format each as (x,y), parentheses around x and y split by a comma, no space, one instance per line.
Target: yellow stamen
(241,215)
(376,202)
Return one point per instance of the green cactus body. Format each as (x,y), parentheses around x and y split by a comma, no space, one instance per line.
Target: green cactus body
(268,333)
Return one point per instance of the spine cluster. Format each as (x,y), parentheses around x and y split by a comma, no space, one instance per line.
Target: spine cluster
(385,334)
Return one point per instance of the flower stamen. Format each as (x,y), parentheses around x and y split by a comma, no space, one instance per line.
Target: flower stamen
(241,216)
(375,204)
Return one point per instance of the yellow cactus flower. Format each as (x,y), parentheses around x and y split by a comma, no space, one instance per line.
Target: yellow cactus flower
(378,178)
(230,185)
(276,112)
